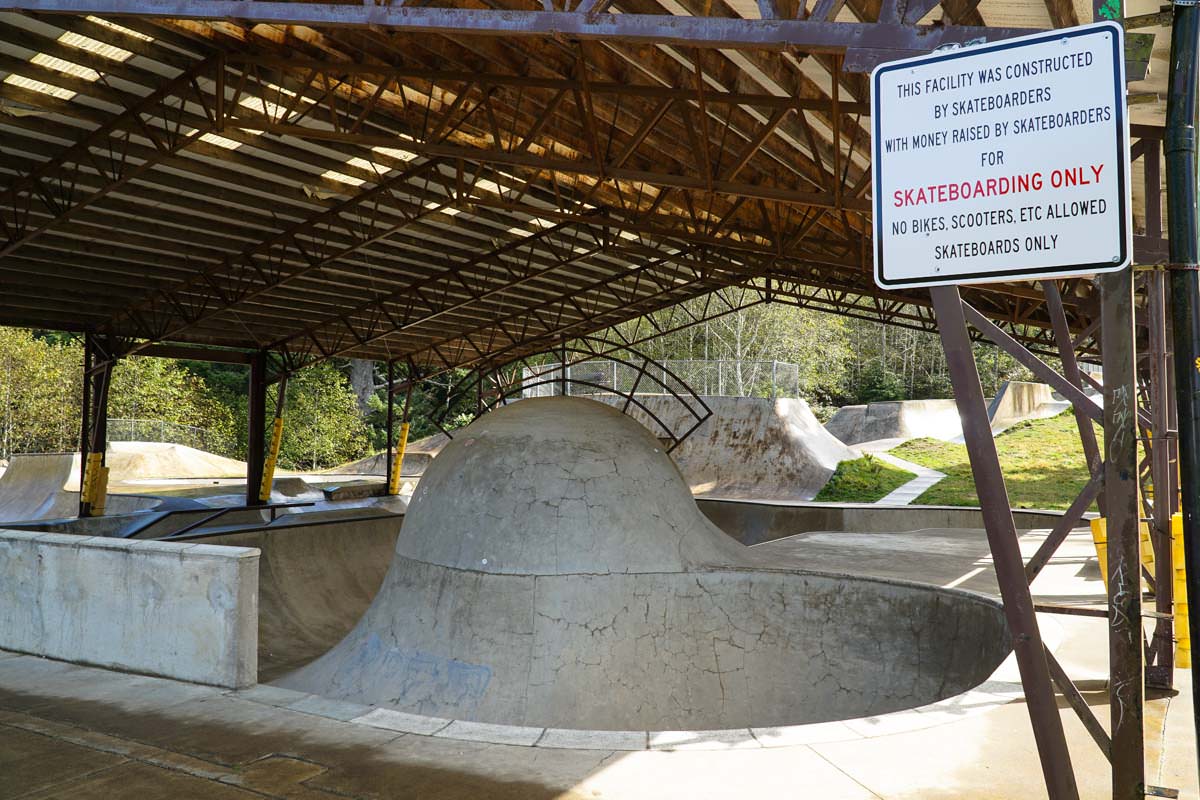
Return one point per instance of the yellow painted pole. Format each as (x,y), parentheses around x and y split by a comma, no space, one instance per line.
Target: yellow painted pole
(268,479)
(99,491)
(1100,538)
(91,471)
(398,459)
(1183,638)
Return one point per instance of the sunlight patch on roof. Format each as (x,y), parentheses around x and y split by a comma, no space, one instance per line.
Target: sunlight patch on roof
(264,106)
(38,86)
(59,65)
(396,153)
(95,46)
(362,163)
(448,211)
(220,141)
(334,175)
(120,28)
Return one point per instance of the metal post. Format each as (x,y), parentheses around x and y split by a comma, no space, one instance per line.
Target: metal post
(1124,539)
(396,470)
(256,414)
(1162,477)
(391,418)
(99,359)
(268,478)
(1002,540)
(1180,146)
(562,363)
(85,426)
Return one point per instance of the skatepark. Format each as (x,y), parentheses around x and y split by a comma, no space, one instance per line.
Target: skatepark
(619,399)
(730,624)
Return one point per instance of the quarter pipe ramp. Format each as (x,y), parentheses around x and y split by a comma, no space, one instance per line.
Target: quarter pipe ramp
(751,447)
(46,486)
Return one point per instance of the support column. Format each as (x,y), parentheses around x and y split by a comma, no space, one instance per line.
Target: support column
(256,415)
(1006,554)
(268,478)
(85,427)
(98,361)
(1184,217)
(1124,539)
(391,418)
(1161,675)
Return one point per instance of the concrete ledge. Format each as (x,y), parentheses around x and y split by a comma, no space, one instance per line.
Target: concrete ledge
(754,522)
(174,609)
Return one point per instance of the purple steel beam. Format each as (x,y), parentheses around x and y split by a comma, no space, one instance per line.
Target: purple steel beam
(811,35)
(1062,336)
(1163,478)
(1002,540)
(1124,559)
(1031,362)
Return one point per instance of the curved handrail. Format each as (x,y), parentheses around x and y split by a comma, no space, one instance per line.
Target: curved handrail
(587,347)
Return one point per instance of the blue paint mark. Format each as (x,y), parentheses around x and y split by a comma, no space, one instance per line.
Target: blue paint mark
(424,682)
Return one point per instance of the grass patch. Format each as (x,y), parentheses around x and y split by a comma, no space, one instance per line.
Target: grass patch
(1043,465)
(863,480)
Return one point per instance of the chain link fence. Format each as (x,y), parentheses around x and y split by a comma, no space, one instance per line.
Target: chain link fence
(157,430)
(704,377)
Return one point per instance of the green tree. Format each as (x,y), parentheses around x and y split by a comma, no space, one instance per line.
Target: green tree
(322,426)
(815,341)
(39,393)
(162,390)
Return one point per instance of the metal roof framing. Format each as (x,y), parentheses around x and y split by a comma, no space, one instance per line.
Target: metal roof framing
(450,185)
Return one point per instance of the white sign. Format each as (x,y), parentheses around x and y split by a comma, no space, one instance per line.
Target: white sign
(1005,161)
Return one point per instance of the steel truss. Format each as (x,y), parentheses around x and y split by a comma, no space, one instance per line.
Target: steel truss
(624,186)
(1114,486)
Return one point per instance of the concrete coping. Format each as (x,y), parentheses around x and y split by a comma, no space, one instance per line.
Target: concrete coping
(193,549)
(983,698)
(1001,688)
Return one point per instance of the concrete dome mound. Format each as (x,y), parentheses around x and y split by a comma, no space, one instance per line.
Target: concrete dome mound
(554,570)
(553,486)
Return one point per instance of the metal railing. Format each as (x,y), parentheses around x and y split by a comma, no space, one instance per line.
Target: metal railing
(157,430)
(719,378)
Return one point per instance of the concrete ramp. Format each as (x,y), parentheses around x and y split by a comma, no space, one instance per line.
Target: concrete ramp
(554,570)
(750,448)
(902,419)
(318,572)
(34,487)
(129,462)
(417,456)
(38,486)
(1019,401)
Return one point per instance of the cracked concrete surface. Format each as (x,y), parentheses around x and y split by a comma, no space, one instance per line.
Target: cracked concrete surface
(586,590)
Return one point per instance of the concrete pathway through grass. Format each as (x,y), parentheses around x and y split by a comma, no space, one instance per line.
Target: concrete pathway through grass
(906,494)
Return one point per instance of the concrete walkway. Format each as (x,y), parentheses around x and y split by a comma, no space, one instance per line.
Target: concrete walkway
(910,491)
(86,734)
